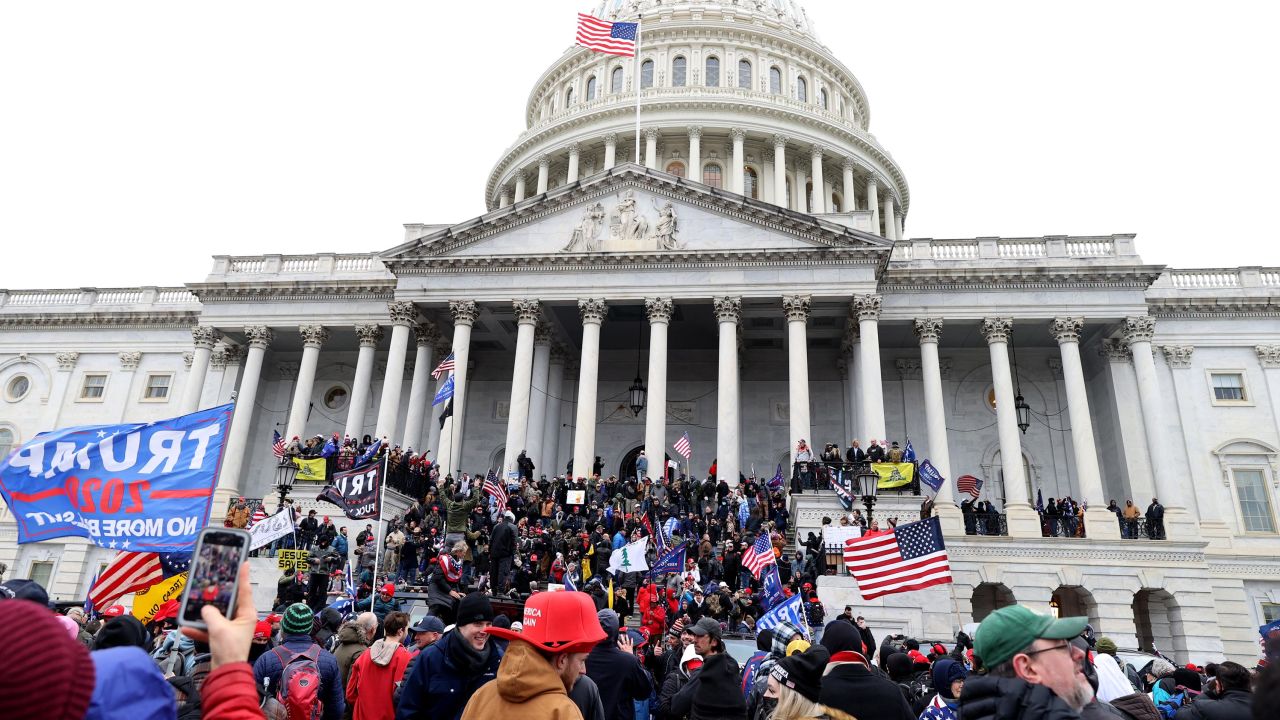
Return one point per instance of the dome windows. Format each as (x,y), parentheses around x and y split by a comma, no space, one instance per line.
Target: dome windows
(712,175)
(591,88)
(676,168)
(615,80)
(775,80)
(802,90)
(744,74)
(713,73)
(679,70)
(646,74)
(568,98)
(750,183)
(822,98)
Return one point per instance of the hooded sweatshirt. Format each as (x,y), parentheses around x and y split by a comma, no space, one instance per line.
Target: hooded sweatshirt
(527,686)
(128,685)
(619,675)
(373,679)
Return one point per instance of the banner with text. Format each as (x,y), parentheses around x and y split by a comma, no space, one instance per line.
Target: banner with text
(357,492)
(147,603)
(271,528)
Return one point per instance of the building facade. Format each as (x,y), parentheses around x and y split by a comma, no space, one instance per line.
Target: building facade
(749,267)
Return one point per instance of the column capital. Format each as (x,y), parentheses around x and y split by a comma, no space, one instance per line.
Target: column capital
(728,309)
(780,140)
(313,335)
(928,330)
(737,134)
(544,161)
(997,329)
(1268,355)
(848,164)
(528,312)
(592,310)
(188,358)
(611,139)
(817,151)
(234,354)
(695,131)
(651,133)
(442,348)
(260,336)
(1066,329)
(1115,350)
(425,333)
(218,359)
(369,335)
(871,180)
(867,307)
(558,354)
(205,336)
(402,312)
(574,148)
(852,330)
(1055,366)
(464,312)
(659,310)
(796,307)
(129,359)
(1139,329)
(288,370)
(1178,356)
(67,360)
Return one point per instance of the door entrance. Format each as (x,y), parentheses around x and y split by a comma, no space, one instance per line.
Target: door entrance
(628,466)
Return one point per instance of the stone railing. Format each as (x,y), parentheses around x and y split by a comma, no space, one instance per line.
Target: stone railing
(993,248)
(1220,278)
(322,265)
(92,298)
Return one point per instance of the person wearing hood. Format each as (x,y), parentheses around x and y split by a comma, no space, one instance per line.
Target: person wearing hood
(327,634)
(1228,697)
(713,690)
(1115,689)
(450,671)
(354,638)
(850,685)
(296,626)
(688,662)
(902,671)
(795,682)
(948,679)
(543,662)
(376,673)
(616,670)
(759,706)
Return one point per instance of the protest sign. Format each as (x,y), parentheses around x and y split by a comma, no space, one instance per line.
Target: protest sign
(575,497)
(271,528)
(299,560)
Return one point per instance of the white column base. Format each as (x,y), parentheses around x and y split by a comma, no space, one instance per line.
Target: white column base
(950,517)
(1023,520)
(1101,524)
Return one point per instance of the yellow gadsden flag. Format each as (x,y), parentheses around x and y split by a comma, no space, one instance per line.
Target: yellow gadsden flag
(310,469)
(892,475)
(147,602)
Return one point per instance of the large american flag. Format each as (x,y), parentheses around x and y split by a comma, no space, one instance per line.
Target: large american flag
(133,572)
(493,487)
(617,38)
(683,447)
(445,366)
(759,556)
(277,445)
(911,557)
(969,484)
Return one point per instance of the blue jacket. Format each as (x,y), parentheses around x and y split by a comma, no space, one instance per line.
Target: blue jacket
(340,545)
(437,689)
(128,685)
(375,604)
(331,692)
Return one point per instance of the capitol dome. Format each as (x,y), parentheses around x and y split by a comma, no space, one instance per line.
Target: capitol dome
(735,94)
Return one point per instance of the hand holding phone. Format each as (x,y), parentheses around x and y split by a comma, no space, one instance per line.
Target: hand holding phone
(229,640)
(214,577)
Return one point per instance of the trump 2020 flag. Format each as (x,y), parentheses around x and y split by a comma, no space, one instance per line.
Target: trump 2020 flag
(356,492)
(444,393)
(672,561)
(930,476)
(792,611)
(771,583)
(135,486)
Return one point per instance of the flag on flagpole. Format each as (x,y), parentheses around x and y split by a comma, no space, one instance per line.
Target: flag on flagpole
(444,393)
(771,585)
(133,572)
(495,488)
(368,455)
(969,484)
(844,496)
(930,476)
(277,445)
(568,583)
(1039,501)
(445,366)
(611,38)
(791,611)
(912,557)
(683,446)
(775,482)
(259,514)
(759,555)
(908,454)
(629,558)
(672,561)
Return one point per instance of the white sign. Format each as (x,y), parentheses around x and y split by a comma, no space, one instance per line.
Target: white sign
(271,528)
(575,497)
(833,536)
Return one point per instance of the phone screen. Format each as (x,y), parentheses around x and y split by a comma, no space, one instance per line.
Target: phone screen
(213,575)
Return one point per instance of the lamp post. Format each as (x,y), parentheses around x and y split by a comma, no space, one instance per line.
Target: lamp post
(637,393)
(286,473)
(868,484)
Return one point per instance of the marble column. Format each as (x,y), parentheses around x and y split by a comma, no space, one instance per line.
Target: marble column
(695,160)
(801,192)
(504,199)
(659,311)
(550,453)
(403,315)
(736,173)
(780,171)
(440,350)
(889,233)
(651,148)
(544,173)
(873,204)
(205,338)
(796,308)
(61,385)
(572,174)
(425,336)
(853,368)
(229,485)
(593,311)
(897,226)
(231,358)
(464,314)
(528,313)
(538,395)
(369,337)
(728,443)
(610,150)
(1138,333)
(129,361)
(871,388)
(1099,523)
(519,185)
(819,193)
(1269,359)
(848,193)
(938,451)
(313,337)
(1023,521)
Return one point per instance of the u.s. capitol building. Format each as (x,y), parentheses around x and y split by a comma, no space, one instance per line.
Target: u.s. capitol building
(752,266)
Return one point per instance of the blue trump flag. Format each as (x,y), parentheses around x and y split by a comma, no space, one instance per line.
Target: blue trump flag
(444,393)
(144,487)
(930,476)
(772,587)
(908,453)
(672,561)
(792,610)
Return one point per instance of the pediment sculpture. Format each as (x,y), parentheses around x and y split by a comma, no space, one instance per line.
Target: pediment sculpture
(629,228)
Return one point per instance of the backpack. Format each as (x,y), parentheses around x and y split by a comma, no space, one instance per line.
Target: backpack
(1169,707)
(299,687)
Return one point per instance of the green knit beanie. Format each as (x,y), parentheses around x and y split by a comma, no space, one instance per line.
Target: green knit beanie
(1106,645)
(298,620)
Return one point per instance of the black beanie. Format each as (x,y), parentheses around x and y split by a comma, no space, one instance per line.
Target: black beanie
(802,672)
(719,693)
(122,631)
(899,666)
(764,640)
(474,608)
(1187,678)
(840,636)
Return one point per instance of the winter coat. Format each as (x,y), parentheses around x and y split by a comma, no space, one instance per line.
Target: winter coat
(527,687)
(619,675)
(1137,706)
(457,512)
(374,677)
(439,689)
(1234,705)
(268,666)
(381,608)
(228,693)
(586,696)
(327,635)
(855,689)
(351,645)
(1000,698)
(502,544)
(128,685)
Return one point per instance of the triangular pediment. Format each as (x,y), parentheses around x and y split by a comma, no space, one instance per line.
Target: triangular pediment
(631,210)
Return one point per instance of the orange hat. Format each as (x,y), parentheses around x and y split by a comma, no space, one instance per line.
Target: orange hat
(557,622)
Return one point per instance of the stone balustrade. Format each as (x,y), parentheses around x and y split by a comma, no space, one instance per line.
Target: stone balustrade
(92,299)
(319,266)
(995,248)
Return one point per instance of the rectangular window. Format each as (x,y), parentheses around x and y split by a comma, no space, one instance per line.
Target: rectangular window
(157,389)
(41,572)
(1228,387)
(1255,504)
(1270,612)
(95,386)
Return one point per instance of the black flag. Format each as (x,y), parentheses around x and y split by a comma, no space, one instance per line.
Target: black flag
(357,492)
(447,412)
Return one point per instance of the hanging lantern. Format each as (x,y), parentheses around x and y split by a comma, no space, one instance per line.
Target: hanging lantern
(1023,410)
(637,393)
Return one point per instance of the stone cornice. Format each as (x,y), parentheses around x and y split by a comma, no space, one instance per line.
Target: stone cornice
(1011,276)
(269,291)
(1202,307)
(77,321)
(638,262)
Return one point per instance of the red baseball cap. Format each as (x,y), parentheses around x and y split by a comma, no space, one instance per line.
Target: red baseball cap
(274,618)
(262,630)
(168,609)
(557,622)
(389,589)
(113,611)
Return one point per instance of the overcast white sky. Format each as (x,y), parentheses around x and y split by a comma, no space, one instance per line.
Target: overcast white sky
(137,139)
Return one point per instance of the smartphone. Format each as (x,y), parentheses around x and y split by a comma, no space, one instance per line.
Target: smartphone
(214,575)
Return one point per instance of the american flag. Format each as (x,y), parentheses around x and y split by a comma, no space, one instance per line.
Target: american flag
(911,557)
(683,447)
(259,514)
(493,487)
(759,556)
(277,446)
(618,38)
(969,484)
(134,571)
(445,366)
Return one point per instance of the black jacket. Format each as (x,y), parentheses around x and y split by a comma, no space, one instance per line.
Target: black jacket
(993,698)
(1234,705)
(503,543)
(619,675)
(854,689)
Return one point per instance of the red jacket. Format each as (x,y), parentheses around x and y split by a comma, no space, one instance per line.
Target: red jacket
(372,684)
(229,693)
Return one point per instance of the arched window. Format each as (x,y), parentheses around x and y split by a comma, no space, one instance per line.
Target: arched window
(805,205)
(822,98)
(744,74)
(676,168)
(712,175)
(7,441)
(775,80)
(615,80)
(646,74)
(568,97)
(802,90)
(713,72)
(750,183)
(591,88)
(679,69)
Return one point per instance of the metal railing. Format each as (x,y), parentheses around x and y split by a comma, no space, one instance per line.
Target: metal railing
(816,477)
(986,523)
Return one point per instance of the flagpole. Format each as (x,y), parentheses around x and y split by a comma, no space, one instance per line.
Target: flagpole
(639,22)
(382,496)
